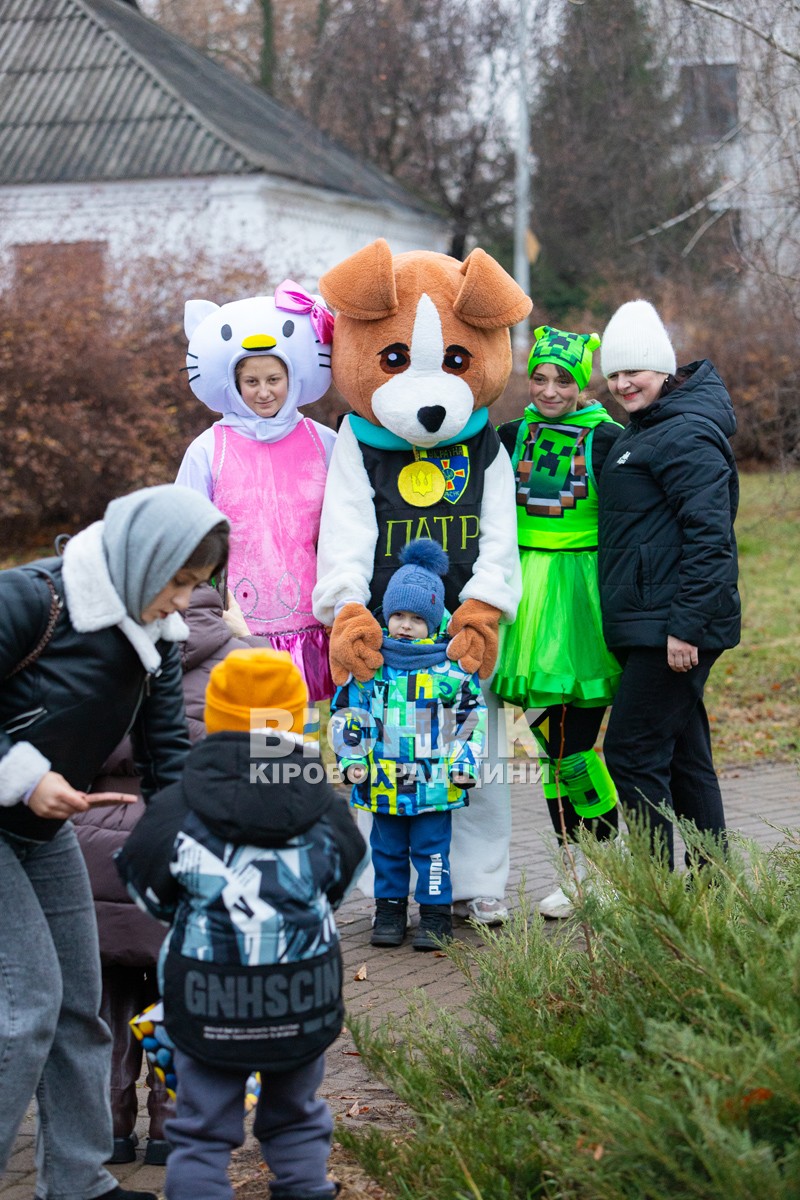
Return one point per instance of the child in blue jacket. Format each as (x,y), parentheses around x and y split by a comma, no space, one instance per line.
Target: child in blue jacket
(410,741)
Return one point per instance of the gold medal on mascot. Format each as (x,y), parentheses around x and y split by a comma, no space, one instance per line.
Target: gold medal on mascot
(421,483)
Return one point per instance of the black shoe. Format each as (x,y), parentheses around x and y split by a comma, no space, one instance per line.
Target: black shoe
(389,926)
(435,926)
(119,1193)
(157,1152)
(124,1149)
(337,1187)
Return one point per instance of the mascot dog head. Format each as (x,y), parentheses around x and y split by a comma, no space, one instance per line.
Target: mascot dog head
(421,339)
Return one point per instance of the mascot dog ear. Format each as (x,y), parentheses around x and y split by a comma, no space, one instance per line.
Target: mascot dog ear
(489,298)
(363,287)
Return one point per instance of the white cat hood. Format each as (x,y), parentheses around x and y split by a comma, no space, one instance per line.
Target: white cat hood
(292,326)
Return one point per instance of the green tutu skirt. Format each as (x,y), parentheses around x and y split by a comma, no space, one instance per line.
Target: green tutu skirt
(554,653)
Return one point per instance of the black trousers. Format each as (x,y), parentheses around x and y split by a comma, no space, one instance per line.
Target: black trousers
(658,745)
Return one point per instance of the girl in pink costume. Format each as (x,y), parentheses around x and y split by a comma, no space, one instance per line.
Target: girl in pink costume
(263,464)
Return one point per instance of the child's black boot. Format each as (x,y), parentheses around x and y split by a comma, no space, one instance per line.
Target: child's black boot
(435,926)
(326,1195)
(389,926)
(119,1193)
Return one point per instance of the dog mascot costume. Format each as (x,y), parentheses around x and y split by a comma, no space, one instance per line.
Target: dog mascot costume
(421,348)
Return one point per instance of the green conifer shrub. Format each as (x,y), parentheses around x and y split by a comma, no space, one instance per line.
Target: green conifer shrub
(650,1050)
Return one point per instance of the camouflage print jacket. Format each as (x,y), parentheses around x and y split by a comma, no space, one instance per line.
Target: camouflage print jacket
(247,859)
(416,723)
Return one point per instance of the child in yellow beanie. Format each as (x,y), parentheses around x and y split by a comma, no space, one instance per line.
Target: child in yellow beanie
(247,685)
(246,858)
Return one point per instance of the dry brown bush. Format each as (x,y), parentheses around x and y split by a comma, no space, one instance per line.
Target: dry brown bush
(752,338)
(92,399)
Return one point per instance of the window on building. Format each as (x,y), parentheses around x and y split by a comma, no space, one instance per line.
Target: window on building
(710,100)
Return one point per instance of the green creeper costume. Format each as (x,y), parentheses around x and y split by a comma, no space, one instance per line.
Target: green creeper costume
(554,654)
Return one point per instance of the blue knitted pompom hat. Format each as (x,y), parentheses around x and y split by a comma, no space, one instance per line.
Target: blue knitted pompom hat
(417,586)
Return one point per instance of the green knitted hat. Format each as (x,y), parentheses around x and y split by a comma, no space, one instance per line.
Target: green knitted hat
(572,352)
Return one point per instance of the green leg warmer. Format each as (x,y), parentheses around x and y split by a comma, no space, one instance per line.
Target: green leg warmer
(583,779)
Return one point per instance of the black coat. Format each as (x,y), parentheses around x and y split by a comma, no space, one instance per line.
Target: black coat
(668,498)
(78,700)
(210,641)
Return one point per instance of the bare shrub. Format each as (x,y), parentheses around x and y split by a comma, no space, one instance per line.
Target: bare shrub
(92,399)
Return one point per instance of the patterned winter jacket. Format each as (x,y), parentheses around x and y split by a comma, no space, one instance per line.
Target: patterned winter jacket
(246,858)
(416,723)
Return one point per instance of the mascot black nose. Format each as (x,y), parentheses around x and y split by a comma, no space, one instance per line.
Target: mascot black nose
(431,417)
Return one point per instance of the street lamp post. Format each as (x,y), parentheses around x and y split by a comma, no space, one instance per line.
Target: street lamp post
(522,272)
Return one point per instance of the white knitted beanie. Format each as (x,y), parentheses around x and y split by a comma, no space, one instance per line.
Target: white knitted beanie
(636,340)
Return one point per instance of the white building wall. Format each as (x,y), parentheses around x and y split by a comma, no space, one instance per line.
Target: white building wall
(292,230)
(760,161)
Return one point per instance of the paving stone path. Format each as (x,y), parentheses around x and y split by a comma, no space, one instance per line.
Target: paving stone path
(758,803)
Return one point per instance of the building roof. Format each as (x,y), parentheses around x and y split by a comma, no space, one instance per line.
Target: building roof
(94,90)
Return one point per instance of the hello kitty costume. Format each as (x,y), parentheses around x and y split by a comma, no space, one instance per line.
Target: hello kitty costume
(266,474)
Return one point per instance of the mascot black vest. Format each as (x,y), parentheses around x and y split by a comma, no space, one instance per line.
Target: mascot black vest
(407,508)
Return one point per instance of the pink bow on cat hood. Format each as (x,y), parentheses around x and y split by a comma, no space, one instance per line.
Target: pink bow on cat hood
(289,326)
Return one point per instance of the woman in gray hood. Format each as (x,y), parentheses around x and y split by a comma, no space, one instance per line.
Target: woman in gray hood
(88,653)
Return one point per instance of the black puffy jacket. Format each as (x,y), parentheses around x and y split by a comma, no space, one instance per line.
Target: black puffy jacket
(78,700)
(668,498)
(245,857)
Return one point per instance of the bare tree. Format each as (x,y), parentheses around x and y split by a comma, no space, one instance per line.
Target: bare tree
(230,31)
(759,22)
(418,88)
(611,156)
(267,73)
(762,39)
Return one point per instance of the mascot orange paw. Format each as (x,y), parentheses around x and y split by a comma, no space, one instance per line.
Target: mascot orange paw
(356,639)
(474,631)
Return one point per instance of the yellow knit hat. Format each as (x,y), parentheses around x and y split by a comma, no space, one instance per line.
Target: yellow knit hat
(248,680)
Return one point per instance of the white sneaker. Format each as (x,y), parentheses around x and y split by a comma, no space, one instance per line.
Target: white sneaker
(483,910)
(558,906)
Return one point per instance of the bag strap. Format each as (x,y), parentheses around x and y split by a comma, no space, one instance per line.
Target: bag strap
(55,609)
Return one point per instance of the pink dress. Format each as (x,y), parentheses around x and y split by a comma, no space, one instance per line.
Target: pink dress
(271,492)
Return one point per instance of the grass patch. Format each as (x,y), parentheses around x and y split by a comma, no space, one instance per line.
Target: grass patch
(657,1057)
(752,694)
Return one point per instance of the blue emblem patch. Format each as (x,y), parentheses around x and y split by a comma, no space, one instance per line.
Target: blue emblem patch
(453,462)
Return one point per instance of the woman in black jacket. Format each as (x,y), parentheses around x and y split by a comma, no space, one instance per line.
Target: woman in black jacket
(88,653)
(668,569)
